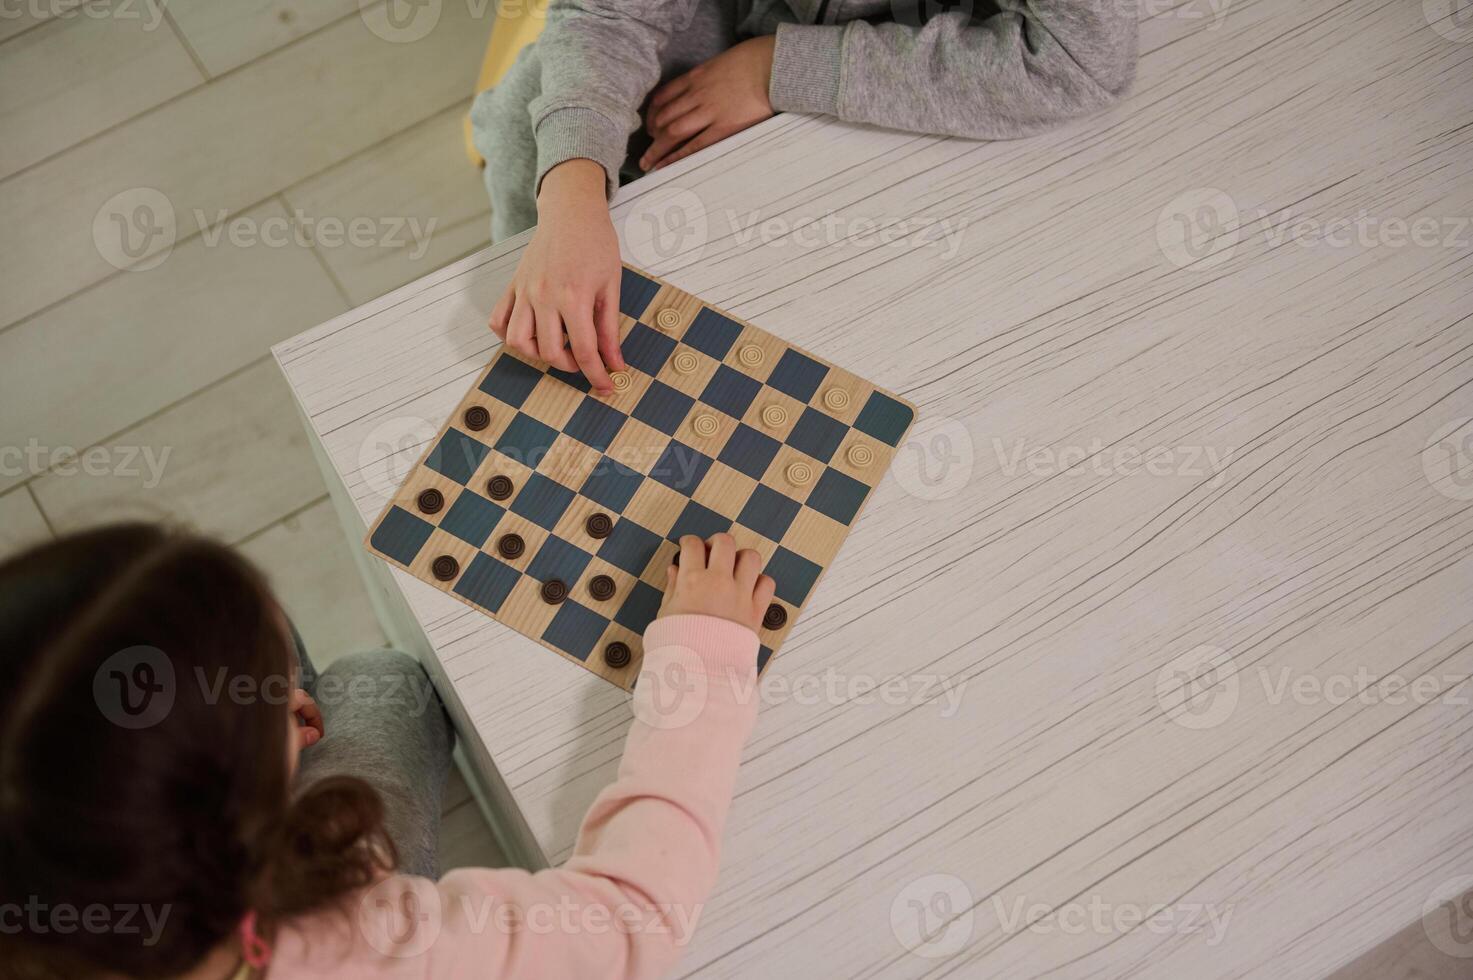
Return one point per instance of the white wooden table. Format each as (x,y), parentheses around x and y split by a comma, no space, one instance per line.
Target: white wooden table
(1243,457)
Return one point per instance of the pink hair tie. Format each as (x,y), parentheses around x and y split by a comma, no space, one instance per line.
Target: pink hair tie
(257,951)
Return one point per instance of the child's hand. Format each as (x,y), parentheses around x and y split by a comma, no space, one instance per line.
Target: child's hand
(719,582)
(710,102)
(309,718)
(566,289)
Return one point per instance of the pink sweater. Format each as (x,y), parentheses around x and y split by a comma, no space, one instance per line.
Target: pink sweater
(626,902)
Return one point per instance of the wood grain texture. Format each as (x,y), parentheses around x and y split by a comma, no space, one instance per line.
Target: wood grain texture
(227,35)
(1222,458)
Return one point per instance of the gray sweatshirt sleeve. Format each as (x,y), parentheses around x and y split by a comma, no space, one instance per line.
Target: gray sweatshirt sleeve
(600,58)
(1020,71)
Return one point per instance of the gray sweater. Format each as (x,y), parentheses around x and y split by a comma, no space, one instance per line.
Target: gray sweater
(984,69)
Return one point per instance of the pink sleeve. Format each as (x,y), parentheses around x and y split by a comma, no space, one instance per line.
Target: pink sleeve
(626,902)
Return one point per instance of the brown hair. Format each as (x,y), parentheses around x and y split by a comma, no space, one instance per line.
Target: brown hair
(185,807)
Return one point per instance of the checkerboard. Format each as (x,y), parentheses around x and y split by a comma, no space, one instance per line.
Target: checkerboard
(716,426)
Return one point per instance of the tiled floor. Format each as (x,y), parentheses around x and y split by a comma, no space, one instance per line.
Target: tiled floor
(310,164)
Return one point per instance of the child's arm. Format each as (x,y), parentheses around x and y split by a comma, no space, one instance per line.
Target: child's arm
(624,904)
(1018,72)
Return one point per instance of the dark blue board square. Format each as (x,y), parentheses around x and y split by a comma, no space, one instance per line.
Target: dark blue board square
(749,451)
(573,380)
(698,520)
(663,407)
(640,608)
(797,375)
(400,535)
(817,434)
(471,518)
(884,418)
(768,512)
(635,293)
(487,582)
(681,468)
(542,501)
(510,380)
(575,629)
(595,424)
(731,391)
(647,349)
(456,456)
(558,559)
(629,546)
(711,333)
(837,495)
(793,574)
(612,484)
(763,655)
(526,440)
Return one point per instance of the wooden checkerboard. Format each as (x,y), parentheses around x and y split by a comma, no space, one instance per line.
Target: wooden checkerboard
(716,426)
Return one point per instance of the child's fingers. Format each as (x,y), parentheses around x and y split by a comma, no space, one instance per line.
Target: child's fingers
(762,595)
(306,709)
(692,553)
(501,313)
(673,110)
(723,554)
(606,324)
(748,567)
(672,89)
(658,150)
(584,342)
(520,329)
(703,139)
(550,339)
